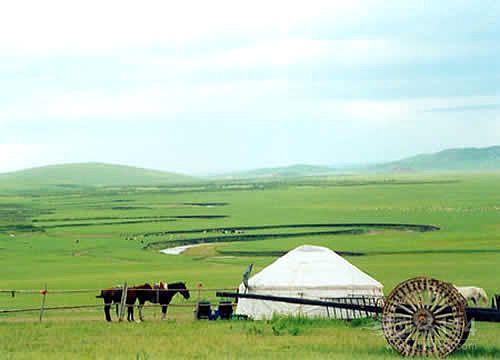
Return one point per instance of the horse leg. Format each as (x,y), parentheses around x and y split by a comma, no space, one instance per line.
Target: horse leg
(107,312)
(141,315)
(130,316)
(141,307)
(164,312)
(117,309)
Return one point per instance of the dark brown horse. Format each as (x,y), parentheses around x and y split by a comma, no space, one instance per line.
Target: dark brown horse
(162,296)
(114,295)
(154,294)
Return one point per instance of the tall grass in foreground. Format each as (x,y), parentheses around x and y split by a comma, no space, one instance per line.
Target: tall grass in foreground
(280,338)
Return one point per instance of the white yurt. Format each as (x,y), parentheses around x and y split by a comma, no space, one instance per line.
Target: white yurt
(310,272)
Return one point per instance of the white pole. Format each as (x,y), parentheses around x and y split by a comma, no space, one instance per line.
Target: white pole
(123,302)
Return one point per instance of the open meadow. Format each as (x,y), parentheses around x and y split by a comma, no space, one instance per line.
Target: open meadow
(89,238)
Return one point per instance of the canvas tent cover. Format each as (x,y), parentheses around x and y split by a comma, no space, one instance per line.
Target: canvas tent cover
(311,272)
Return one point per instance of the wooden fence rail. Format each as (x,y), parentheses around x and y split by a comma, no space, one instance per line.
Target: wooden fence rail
(92,306)
(77,291)
(121,306)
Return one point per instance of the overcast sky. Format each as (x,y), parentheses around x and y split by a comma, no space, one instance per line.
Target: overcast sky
(208,86)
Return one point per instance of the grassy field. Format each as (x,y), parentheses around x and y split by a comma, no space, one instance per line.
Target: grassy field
(91,238)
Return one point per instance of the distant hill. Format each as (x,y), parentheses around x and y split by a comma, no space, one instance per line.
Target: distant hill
(464,159)
(297,170)
(90,174)
(100,174)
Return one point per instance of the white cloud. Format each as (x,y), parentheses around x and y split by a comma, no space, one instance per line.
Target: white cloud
(272,52)
(35,27)
(279,51)
(386,112)
(457,102)
(265,98)
(148,103)
(19,156)
(284,50)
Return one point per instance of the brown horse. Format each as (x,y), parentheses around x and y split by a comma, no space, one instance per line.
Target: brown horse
(162,296)
(114,296)
(154,294)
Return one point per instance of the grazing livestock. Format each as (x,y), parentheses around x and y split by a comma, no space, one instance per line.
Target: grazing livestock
(114,295)
(156,294)
(474,294)
(162,296)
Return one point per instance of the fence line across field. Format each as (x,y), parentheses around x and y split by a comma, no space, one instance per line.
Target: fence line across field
(82,291)
(93,306)
(121,306)
(76,291)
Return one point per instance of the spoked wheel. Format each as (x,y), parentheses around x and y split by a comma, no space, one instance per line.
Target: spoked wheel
(424,317)
(467,330)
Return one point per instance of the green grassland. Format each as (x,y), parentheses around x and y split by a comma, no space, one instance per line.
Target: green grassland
(94,237)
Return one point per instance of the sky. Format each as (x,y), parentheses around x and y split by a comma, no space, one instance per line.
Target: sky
(211,86)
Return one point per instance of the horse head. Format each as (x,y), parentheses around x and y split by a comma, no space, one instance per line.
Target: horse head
(181,288)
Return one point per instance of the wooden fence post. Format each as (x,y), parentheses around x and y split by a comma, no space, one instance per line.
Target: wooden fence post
(123,302)
(198,298)
(199,286)
(44,300)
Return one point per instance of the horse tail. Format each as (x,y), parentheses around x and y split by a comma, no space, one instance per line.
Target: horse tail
(100,296)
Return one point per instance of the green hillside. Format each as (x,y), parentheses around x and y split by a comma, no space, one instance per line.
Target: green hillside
(297,170)
(89,174)
(465,159)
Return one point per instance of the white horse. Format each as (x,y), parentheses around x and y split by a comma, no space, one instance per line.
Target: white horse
(474,294)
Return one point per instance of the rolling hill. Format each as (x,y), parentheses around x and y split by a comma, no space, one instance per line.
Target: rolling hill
(460,160)
(463,159)
(90,174)
(100,174)
(297,170)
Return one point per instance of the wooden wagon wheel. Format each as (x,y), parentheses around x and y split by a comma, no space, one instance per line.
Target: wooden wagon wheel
(467,329)
(424,317)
